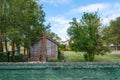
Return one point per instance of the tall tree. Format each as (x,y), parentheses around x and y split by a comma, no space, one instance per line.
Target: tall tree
(21,22)
(1,45)
(24,16)
(115,32)
(86,36)
(3,19)
(106,32)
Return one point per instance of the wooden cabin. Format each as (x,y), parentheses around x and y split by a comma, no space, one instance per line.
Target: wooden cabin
(44,49)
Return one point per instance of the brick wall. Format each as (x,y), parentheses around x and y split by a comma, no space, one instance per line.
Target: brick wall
(59,71)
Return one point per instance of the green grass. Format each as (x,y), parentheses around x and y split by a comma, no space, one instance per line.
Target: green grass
(72,56)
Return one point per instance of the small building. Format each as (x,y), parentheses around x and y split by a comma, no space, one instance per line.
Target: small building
(44,49)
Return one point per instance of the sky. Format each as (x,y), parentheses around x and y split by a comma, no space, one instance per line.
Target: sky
(60,12)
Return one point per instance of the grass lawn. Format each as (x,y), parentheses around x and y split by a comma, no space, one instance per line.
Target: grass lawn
(72,56)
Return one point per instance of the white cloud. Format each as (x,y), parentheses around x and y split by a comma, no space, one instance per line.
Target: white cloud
(59,19)
(89,8)
(109,11)
(56,2)
(59,25)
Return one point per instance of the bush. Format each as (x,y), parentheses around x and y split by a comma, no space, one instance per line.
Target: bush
(3,57)
(68,49)
(61,55)
(19,58)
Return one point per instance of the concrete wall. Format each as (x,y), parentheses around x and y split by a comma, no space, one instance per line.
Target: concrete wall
(59,71)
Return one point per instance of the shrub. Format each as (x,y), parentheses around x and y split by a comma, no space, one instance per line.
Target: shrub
(19,58)
(3,57)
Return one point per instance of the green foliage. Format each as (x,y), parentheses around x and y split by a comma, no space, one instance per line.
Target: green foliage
(60,55)
(62,47)
(107,36)
(20,20)
(19,58)
(14,35)
(112,33)
(86,36)
(4,58)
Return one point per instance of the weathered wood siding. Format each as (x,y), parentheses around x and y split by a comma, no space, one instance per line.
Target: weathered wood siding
(36,49)
(51,49)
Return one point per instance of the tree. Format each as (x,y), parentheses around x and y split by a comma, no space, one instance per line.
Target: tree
(106,32)
(3,24)
(21,23)
(54,36)
(1,45)
(86,36)
(25,16)
(115,32)
(111,33)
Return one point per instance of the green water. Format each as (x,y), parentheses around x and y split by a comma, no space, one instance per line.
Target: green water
(60,71)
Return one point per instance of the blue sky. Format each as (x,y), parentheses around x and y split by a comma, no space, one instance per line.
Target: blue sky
(60,12)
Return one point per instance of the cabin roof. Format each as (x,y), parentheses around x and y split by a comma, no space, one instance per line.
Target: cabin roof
(52,40)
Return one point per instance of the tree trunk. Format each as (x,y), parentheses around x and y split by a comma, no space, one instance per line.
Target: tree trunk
(1,45)
(6,46)
(13,51)
(91,56)
(24,51)
(28,53)
(8,56)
